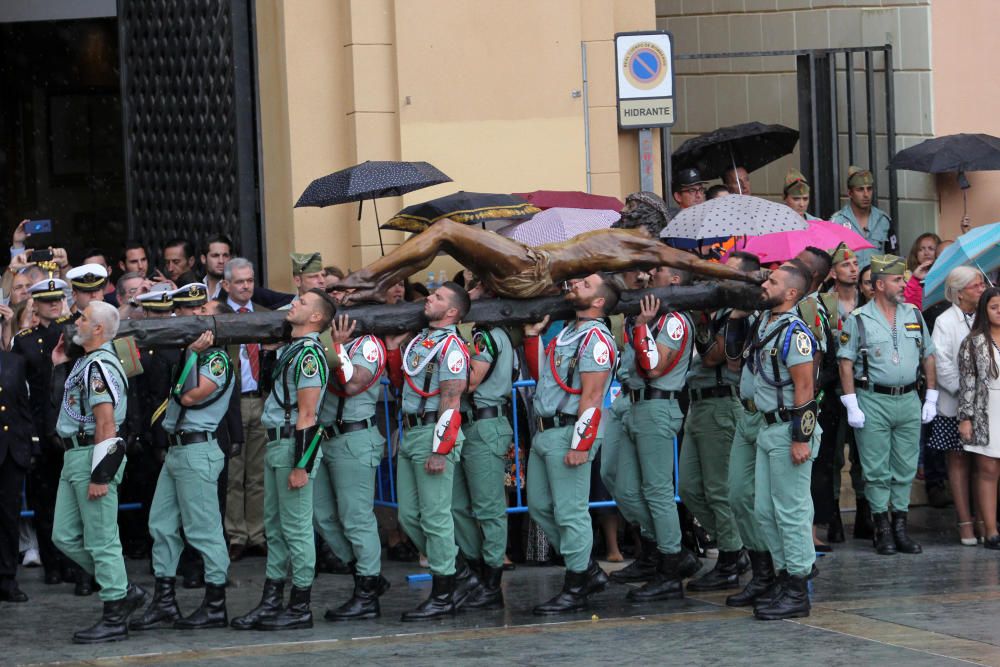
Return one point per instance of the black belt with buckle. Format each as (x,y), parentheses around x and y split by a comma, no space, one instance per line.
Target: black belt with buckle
(749,405)
(558,421)
(721,391)
(412,421)
(189,438)
(77,441)
(485,413)
(351,427)
(777,416)
(284,433)
(652,394)
(252,394)
(887,390)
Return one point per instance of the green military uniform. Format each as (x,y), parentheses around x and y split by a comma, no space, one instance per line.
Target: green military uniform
(344,486)
(436,355)
(288,513)
(87,530)
(879,228)
(742,464)
(559,494)
(645,478)
(782,502)
(708,440)
(479,504)
(887,360)
(614,420)
(187,489)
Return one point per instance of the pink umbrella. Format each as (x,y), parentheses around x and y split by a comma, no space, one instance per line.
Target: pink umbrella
(558,224)
(779,246)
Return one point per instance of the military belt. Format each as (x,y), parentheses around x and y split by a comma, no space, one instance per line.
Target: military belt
(189,438)
(256,393)
(777,416)
(558,421)
(412,421)
(749,405)
(350,427)
(485,413)
(652,394)
(77,441)
(286,432)
(887,390)
(720,391)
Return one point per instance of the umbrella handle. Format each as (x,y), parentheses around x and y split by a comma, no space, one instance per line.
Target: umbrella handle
(378,226)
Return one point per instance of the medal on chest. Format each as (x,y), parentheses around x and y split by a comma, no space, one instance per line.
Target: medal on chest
(895,357)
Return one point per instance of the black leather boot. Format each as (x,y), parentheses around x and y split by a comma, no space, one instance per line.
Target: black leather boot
(726,573)
(489,595)
(85,584)
(211,614)
(883,540)
(466,581)
(572,597)
(668,583)
(271,602)
(763,576)
(111,627)
(642,568)
(597,579)
(772,592)
(162,611)
(296,616)
(364,601)
(441,601)
(903,542)
(793,602)
(863,527)
(835,530)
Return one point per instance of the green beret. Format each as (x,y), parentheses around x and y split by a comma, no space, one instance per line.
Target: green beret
(796,184)
(888,264)
(858,177)
(306,262)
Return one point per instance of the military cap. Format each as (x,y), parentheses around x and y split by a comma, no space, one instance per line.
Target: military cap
(306,262)
(888,264)
(796,184)
(160,301)
(858,177)
(191,295)
(88,278)
(841,253)
(50,289)
(687,177)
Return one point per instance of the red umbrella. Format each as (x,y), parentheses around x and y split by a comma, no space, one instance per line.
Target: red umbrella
(544,199)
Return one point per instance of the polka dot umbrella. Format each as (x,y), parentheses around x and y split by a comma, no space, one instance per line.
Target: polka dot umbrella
(554,225)
(733,215)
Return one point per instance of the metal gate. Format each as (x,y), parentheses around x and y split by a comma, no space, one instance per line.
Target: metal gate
(189,117)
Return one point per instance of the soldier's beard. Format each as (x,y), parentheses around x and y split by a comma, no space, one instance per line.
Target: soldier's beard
(771,301)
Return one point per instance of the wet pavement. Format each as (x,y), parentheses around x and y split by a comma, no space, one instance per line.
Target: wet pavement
(938,608)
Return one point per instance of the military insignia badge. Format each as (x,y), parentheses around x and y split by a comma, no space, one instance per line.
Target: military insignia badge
(803,344)
(456,362)
(601,353)
(844,337)
(216,366)
(97,383)
(370,351)
(808,423)
(309,366)
(675,330)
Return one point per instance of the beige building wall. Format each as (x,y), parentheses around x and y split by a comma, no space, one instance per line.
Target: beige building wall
(488,92)
(718,92)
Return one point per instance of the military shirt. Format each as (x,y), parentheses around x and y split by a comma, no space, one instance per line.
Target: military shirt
(434,356)
(585,346)
(793,346)
(893,360)
(748,383)
(215,365)
(627,377)
(813,312)
(36,345)
(676,332)
(701,376)
(96,378)
(879,228)
(301,365)
(365,352)
(495,390)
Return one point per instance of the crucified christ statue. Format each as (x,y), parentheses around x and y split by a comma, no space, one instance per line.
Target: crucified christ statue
(515,270)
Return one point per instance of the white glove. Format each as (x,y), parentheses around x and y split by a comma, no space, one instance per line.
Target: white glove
(929,411)
(855,417)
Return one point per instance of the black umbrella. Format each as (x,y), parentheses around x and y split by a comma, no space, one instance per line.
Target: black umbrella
(371,180)
(953,152)
(469,208)
(748,145)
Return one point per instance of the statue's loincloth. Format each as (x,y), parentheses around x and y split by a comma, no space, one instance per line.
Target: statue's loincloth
(533,281)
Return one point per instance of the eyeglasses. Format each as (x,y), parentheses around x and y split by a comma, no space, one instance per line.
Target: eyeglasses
(694,190)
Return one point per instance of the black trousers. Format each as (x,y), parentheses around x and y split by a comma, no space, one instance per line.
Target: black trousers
(43,483)
(11,483)
(825,473)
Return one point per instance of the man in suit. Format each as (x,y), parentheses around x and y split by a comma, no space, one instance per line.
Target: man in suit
(16,429)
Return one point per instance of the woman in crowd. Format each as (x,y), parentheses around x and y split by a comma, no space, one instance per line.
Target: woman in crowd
(918,263)
(979,408)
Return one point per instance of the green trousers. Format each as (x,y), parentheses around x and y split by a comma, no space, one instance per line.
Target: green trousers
(783,499)
(288,518)
(559,496)
(187,497)
(613,421)
(742,463)
(425,499)
(343,498)
(889,446)
(704,467)
(87,530)
(479,505)
(644,487)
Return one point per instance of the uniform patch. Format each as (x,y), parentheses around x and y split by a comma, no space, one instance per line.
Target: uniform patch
(370,351)
(601,353)
(803,344)
(216,366)
(97,384)
(309,366)
(675,328)
(456,361)
(808,423)
(913,326)
(844,337)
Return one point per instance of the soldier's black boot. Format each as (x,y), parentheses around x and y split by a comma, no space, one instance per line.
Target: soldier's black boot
(211,614)
(441,601)
(668,584)
(772,592)
(162,611)
(793,602)
(863,528)
(763,576)
(572,597)
(883,540)
(364,601)
(726,573)
(597,579)
(835,531)
(466,581)
(489,595)
(899,535)
(271,602)
(111,627)
(642,568)
(85,584)
(296,616)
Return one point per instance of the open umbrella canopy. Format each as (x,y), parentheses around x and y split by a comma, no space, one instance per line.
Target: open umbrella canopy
(559,224)
(953,152)
(749,145)
(979,247)
(780,246)
(544,199)
(370,180)
(469,208)
(733,215)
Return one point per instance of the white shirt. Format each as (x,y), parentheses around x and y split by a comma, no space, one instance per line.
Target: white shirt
(215,292)
(950,329)
(246,374)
